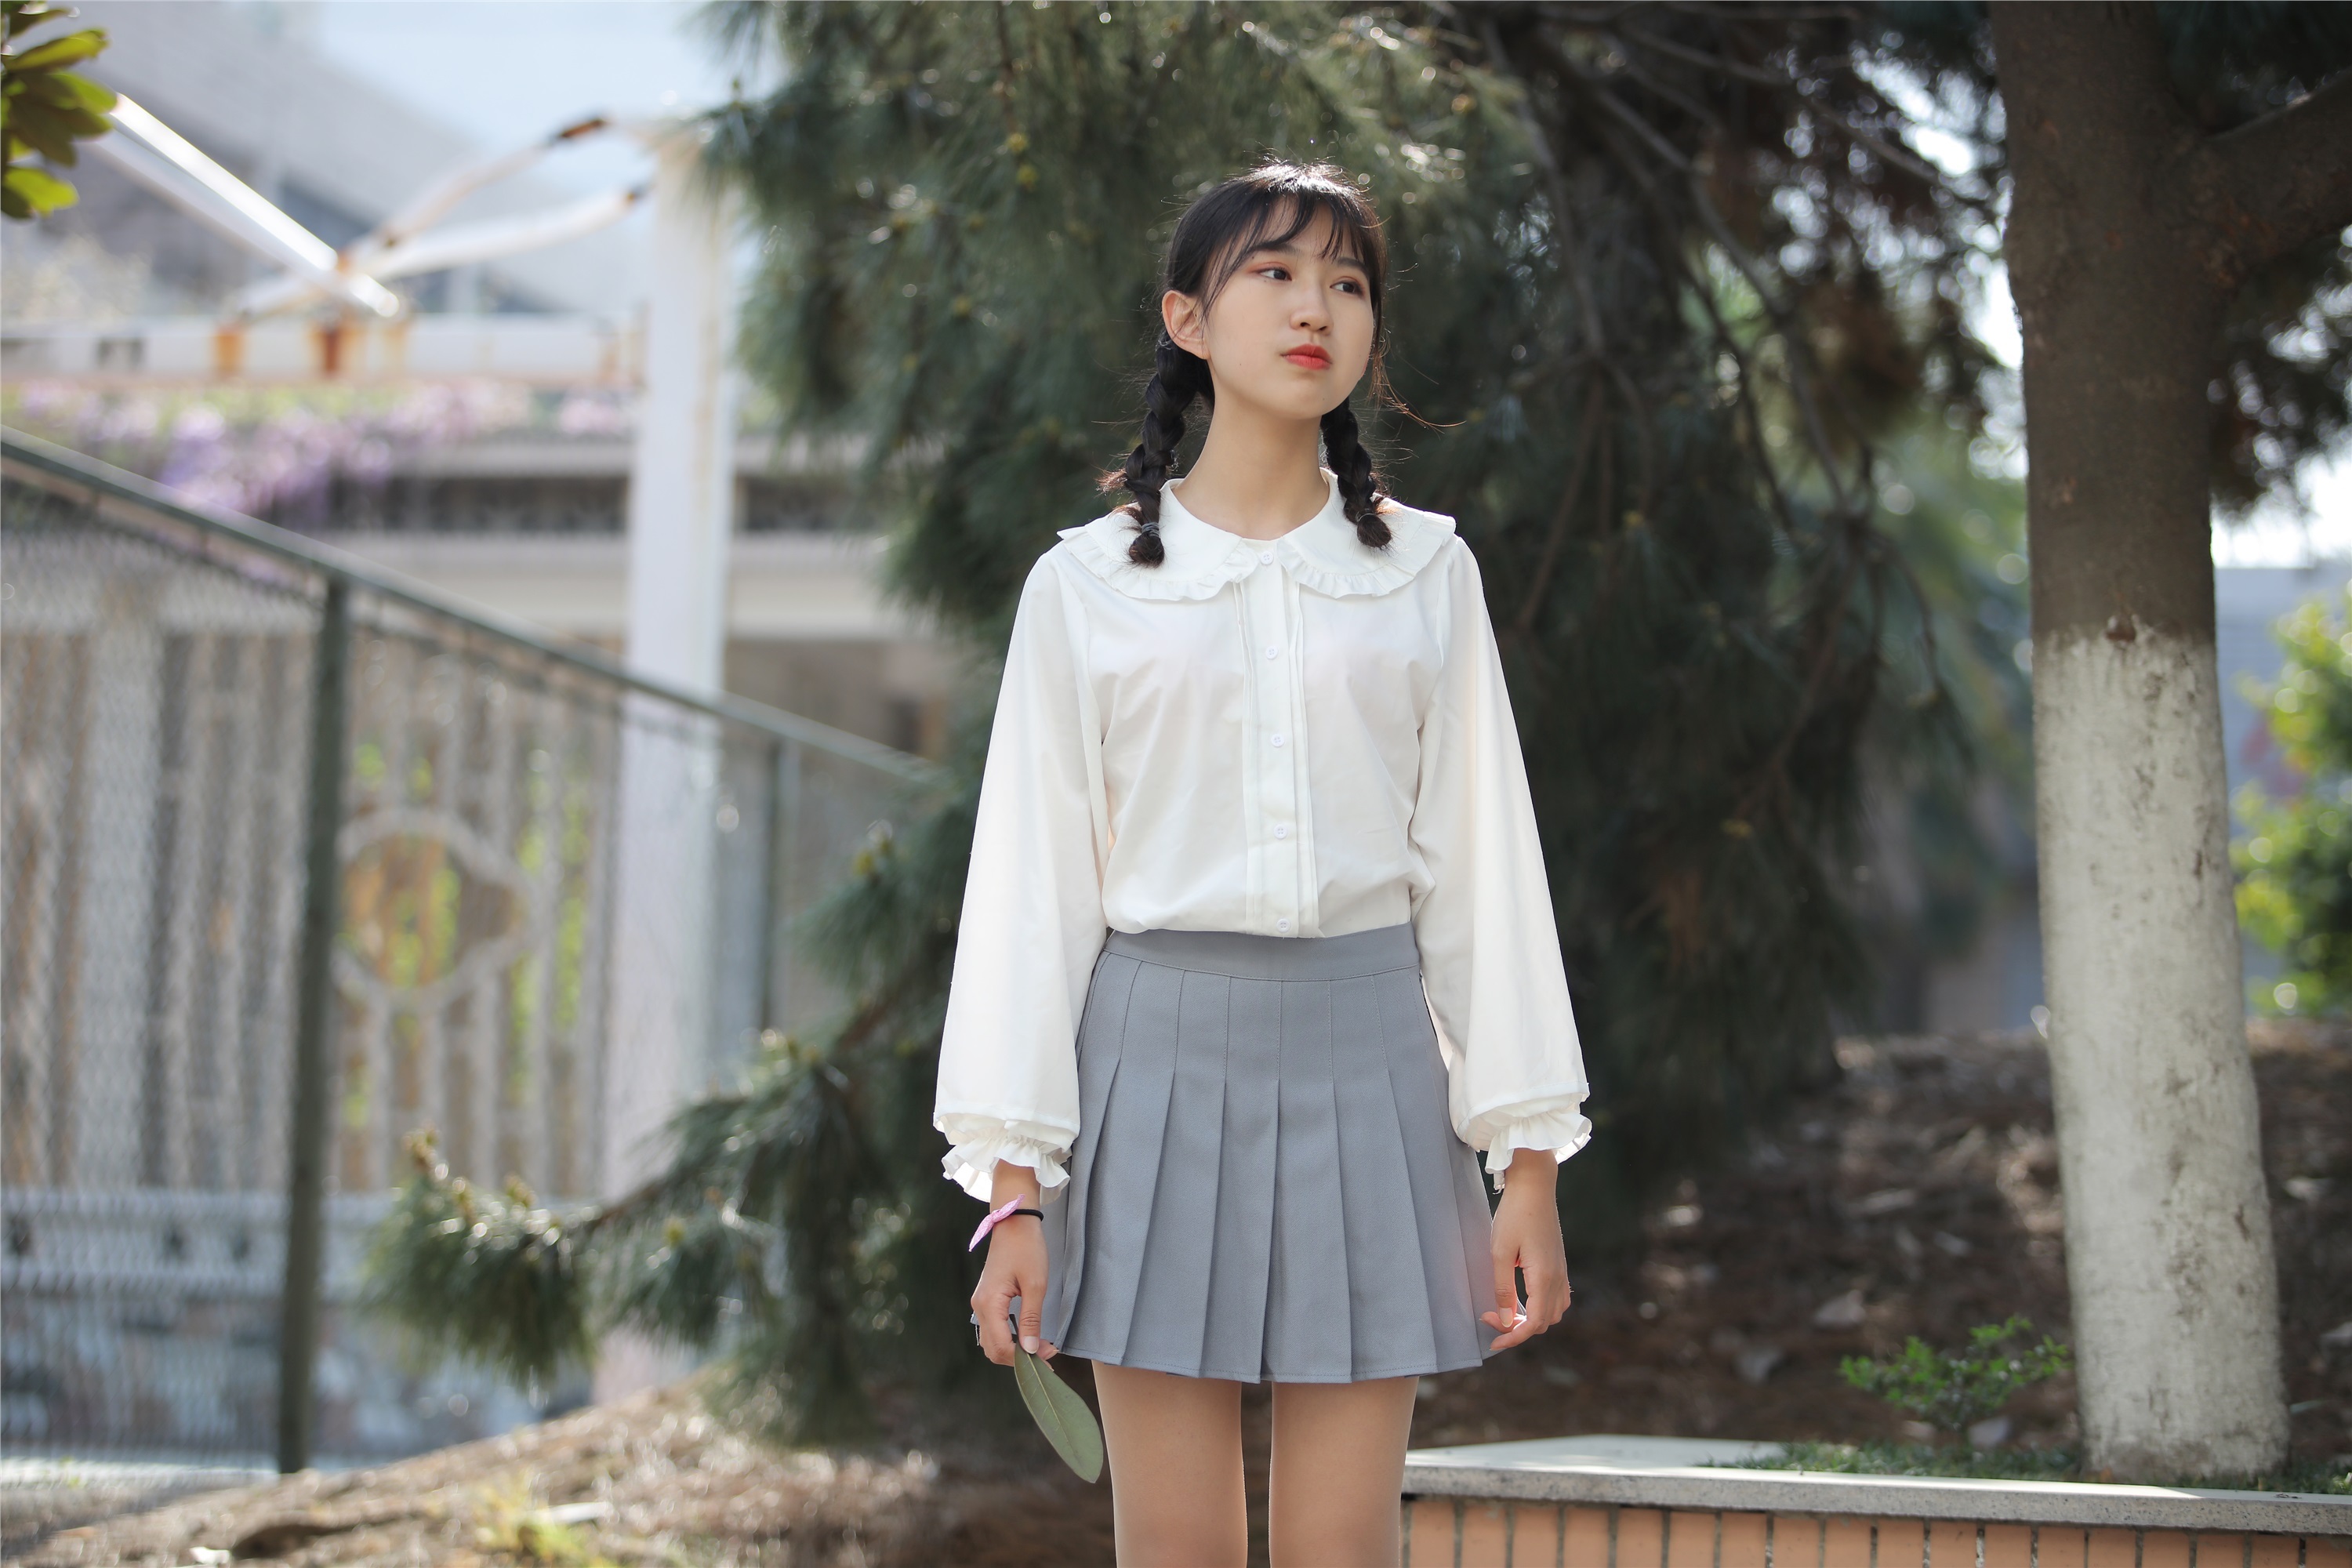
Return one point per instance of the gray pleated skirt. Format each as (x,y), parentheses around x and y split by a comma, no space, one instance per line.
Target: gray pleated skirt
(1266,1183)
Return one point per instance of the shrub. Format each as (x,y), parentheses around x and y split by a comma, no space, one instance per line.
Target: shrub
(1953,1393)
(2295,892)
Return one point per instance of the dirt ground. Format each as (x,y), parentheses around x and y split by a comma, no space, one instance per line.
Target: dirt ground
(1920,1195)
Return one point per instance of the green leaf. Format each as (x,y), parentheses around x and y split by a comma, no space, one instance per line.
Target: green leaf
(1060,1413)
(71,50)
(43,130)
(93,95)
(84,124)
(41,194)
(24,18)
(24,15)
(61,93)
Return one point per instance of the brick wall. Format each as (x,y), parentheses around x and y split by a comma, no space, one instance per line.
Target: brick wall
(1478,1532)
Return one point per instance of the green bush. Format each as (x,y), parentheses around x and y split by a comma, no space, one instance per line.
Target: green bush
(492,1272)
(2295,892)
(1953,1393)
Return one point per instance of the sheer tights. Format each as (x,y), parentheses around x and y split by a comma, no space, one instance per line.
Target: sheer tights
(1175,1451)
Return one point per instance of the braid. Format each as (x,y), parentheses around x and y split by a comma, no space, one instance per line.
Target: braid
(1359,486)
(1177,379)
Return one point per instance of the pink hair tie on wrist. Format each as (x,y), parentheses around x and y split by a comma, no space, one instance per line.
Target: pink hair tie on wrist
(1011,1207)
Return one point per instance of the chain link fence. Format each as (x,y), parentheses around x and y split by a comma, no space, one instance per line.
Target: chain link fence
(517,896)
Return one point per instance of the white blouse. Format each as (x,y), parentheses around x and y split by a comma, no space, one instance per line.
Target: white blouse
(1293,737)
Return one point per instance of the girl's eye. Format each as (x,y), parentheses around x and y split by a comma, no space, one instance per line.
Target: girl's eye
(1278,274)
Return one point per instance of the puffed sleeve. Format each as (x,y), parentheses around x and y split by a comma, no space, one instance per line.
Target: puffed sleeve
(1489,951)
(1032,917)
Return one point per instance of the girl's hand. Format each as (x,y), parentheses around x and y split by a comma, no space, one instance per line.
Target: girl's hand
(1016,1267)
(1527,1238)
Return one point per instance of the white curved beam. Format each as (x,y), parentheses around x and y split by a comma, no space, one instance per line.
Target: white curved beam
(456,246)
(430,205)
(177,169)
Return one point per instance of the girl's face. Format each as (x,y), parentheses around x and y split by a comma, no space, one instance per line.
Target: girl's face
(1290,334)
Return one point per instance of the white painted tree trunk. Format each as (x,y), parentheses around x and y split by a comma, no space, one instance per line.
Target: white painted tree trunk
(2167,1219)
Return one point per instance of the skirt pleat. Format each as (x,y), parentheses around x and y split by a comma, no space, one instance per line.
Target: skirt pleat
(1385,1253)
(1169,1310)
(1244,1177)
(1266,1183)
(1065,1221)
(1126,1168)
(1457,1257)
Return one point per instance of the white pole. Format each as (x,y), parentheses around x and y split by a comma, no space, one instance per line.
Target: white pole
(681,520)
(682,482)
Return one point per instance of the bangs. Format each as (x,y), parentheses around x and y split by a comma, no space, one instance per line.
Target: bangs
(1270,209)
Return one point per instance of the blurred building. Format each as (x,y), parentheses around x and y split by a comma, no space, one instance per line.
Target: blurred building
(524,517)
(512,495)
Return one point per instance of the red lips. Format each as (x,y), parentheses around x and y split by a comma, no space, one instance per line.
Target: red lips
(1308,357)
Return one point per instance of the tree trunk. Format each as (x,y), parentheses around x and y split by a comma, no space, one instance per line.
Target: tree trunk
(2168,1221)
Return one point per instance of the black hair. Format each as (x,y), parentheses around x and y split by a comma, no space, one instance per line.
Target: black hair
(1269,206)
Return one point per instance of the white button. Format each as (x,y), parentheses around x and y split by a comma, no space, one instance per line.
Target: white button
(1272,651)
(1267,556)
(1277,739)
(1283,832)
(1282,925)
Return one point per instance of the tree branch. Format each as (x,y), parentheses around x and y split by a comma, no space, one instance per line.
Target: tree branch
(1563,211)
(1895,154)
(2276,184)
(1587,435)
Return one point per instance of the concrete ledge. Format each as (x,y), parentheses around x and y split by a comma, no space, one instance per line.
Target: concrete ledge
(1610,1470)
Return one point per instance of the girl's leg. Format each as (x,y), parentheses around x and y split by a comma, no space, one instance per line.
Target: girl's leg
(1175,1449)
(1339,1471)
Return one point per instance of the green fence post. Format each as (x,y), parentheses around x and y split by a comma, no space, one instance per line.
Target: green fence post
(305,1196)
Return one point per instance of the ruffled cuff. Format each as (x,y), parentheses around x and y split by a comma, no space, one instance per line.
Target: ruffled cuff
(971,1163)
(1562,1132)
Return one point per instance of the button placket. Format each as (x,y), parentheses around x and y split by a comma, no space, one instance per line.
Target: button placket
(1301,839)
(1274,846)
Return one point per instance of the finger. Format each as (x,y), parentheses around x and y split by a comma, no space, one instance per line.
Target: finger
(1528,1326)
(1505,1317)
(1507,1289)
(1032,1312)
(1520,1335)
(995,1307)
(1547,1297)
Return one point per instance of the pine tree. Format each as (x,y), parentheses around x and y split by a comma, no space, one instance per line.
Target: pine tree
(1668,480)
(1664,282)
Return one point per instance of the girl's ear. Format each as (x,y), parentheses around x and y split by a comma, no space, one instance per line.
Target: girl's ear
(1187,326)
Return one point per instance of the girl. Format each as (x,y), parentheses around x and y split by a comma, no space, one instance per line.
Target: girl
(1257,950)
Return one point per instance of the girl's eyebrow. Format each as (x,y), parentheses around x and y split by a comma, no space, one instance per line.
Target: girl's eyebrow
(1292,247)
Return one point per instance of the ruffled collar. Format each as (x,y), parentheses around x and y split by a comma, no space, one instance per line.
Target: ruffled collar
(1323,553)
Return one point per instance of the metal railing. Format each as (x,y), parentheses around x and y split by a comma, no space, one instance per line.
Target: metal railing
(296,856)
